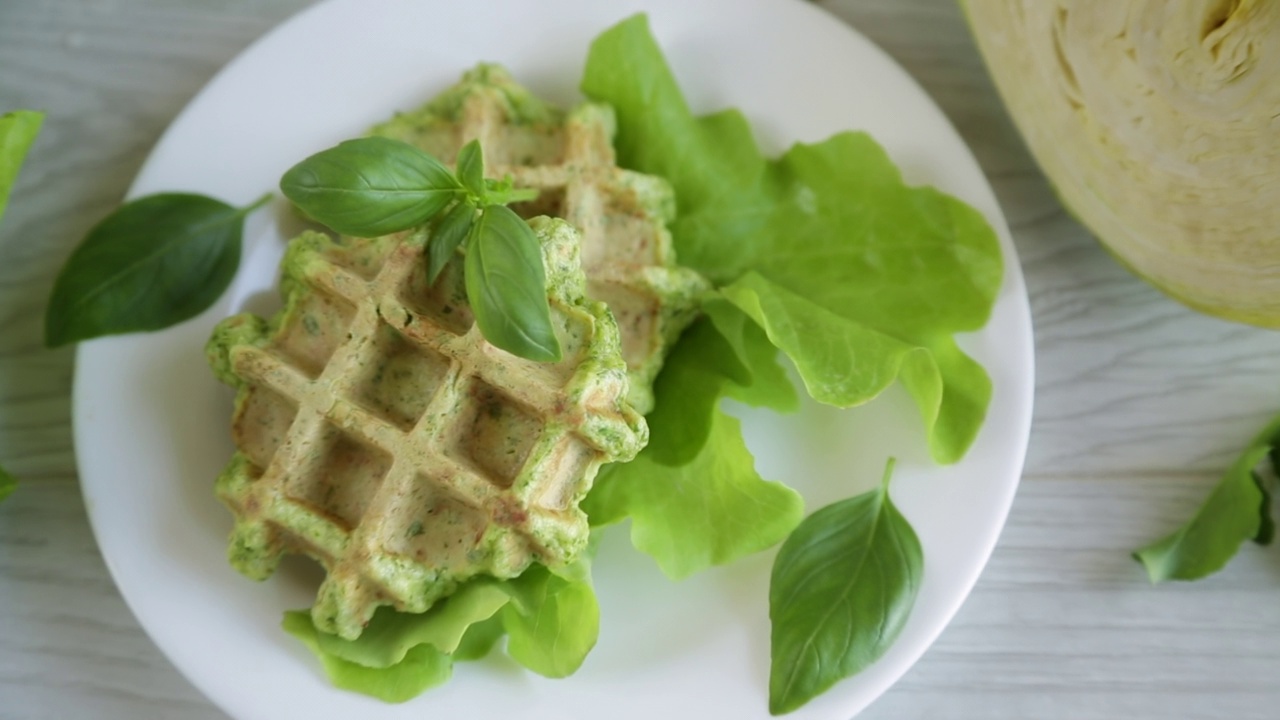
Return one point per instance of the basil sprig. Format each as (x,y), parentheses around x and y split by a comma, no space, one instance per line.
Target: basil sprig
(376,186)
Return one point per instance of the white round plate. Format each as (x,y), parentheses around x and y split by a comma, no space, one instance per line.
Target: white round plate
(152,423)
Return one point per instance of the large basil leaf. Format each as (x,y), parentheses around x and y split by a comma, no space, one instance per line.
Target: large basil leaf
(842,588)
(152,263)
(507,286)
(371,186)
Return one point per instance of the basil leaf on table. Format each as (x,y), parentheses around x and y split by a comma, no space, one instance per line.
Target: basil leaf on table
(507,286)
(152,263)
(18,130)
(449,233)
(471,169)
(371,186)
(1238,509)
(842,588)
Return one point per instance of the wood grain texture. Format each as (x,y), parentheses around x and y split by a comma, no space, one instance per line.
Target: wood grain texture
(1140,404)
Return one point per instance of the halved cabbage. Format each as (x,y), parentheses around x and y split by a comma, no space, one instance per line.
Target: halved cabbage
(1158,121)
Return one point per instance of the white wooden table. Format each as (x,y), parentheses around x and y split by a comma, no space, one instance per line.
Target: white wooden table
(1140,404)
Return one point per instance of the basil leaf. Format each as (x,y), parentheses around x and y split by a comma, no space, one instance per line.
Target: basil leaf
(152,263)
(471,169)
(507,286)
(370,186)
(504,192)
(18,130)
(8,483)
(449,234)
(842,588)
(1238,509)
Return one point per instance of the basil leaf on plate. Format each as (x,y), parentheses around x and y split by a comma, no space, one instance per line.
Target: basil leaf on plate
(371,186)
(18,130)
(471,169)
(1238,509)
(507,286)
(152,263)
(504,192)
(842,588)
(449,233)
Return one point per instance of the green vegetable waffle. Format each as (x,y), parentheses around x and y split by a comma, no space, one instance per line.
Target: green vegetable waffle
(379,433)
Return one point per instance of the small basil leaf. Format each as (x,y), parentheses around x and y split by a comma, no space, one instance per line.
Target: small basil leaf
(448,235)
(842,588)
(371,186)
(18,131)
(152,263)
(506,286)
(8,484)
(471,169)
(503,192)
(1238,509)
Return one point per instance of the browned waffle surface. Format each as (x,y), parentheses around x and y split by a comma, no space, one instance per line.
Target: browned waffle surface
(622,215)
(380,434)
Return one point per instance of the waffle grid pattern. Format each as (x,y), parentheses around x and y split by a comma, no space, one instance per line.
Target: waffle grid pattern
(622,215)
(380,434)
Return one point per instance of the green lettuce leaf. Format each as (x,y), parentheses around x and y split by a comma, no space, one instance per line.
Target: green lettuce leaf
(1238,509)
(845,363)
(552,622)
(422,668)
(401,655)
(832,223)
(390,635)
(479,639)
(710,511)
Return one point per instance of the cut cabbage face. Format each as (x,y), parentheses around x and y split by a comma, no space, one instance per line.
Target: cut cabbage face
(1158,121)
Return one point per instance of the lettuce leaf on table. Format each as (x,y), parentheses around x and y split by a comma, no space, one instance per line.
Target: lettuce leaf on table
(831,223)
